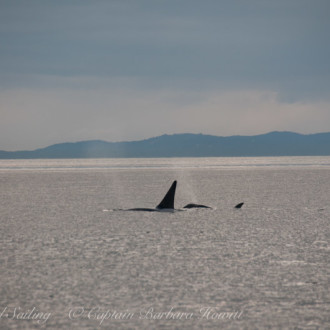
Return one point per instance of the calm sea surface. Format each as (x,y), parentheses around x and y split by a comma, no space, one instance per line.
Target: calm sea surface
(68,261)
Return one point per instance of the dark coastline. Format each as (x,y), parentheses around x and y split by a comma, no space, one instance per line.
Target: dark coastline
(187,145)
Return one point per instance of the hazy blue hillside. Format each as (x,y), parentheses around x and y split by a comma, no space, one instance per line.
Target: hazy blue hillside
(188,145)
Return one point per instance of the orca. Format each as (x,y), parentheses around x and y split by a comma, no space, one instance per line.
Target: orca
(238,206)
(196,206)
(166,205)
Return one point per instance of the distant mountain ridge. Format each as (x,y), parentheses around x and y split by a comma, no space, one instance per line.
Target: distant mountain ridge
(188,145)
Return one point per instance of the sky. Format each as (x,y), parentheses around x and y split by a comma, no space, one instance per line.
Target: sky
(122,70)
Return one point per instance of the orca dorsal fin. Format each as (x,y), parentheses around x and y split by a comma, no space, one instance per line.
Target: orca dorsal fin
(238,206)
(168,200)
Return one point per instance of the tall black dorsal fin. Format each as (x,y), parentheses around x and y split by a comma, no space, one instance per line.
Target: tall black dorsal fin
(168,200)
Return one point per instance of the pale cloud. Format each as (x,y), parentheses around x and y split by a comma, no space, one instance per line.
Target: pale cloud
(124,112)
(255,111)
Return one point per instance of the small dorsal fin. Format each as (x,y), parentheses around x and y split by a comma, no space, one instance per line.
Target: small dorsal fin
(168,200)
(238,206)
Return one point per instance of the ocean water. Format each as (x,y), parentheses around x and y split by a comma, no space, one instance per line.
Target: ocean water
(68,261)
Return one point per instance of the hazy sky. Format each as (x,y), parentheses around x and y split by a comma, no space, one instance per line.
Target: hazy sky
(118,70)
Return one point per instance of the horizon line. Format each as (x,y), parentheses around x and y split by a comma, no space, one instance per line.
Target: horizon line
(165,134)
